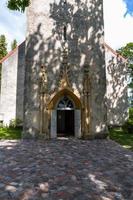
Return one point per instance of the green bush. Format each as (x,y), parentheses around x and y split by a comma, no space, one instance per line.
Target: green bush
(15,123)
(128,126)
(131,113)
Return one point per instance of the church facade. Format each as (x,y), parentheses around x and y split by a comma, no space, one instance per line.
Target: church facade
(64,80)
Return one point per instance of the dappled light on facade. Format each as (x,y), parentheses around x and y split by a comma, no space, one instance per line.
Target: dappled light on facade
(116,73)
(64,55)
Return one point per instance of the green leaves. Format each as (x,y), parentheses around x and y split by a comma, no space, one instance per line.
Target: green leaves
(3,46)
(127,52)
(3,50)
(14,44)
(18,5)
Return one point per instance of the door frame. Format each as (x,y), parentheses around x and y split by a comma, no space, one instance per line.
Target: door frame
(52,107)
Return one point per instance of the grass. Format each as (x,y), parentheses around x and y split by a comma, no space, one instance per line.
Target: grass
(10,133)
(124,139)
(116,134)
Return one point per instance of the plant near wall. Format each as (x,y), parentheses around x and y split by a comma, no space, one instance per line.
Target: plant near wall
(128,126)
(127,52)
(15,123)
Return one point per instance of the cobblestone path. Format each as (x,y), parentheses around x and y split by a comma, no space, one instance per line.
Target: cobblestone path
(66,169)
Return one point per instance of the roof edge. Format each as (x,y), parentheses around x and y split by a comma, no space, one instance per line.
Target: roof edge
(106,45)
(115,53)
(10,53)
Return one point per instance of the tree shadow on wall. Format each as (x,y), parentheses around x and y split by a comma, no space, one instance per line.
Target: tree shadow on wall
(117,99)
(84,40)
(85,30)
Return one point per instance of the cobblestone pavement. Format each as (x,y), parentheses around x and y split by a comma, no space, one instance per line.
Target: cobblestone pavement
(66,169)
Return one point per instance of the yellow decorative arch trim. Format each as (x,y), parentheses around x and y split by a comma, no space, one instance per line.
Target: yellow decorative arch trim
(53,102)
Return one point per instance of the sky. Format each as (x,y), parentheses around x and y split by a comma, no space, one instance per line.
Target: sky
(12,24)
(118,23)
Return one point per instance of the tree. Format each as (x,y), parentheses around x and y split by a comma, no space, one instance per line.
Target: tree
(127,52)
(3,49)
(3,46)
(14,44)
(19,5)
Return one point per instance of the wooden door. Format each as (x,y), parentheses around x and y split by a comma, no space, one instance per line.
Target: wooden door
(65,122)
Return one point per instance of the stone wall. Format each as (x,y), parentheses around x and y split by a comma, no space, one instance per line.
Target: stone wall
(20,82)
(83,22)
(12,86)
(117,99)
(8,88)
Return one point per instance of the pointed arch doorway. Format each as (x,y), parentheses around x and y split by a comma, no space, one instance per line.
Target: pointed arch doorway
(65,114)
(65,117)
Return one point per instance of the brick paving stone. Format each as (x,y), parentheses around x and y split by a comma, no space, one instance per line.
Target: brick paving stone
(65,170)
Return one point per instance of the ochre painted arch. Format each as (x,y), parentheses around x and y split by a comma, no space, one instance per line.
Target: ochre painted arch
(53,102)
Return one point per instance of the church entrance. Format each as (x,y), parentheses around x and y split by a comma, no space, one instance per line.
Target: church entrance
(65,122)
(65,117)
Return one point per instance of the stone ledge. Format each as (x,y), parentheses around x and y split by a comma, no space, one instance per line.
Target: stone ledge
(95,136)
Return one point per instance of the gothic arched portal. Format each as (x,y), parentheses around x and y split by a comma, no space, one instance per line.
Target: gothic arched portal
(65,109)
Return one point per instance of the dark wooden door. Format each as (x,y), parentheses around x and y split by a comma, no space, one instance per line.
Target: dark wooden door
(65,122)
(60,121)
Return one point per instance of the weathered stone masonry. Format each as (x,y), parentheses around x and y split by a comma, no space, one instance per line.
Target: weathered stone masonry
(44,46)
(12,85)
(71,80)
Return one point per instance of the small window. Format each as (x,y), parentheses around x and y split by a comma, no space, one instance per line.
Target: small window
(65,104)
(65,33)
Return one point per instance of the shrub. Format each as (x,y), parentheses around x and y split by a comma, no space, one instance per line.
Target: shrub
(1,124)
(15,123)
(128,126)
(131,113)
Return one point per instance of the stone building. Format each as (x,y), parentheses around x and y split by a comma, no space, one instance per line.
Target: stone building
(64,80)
